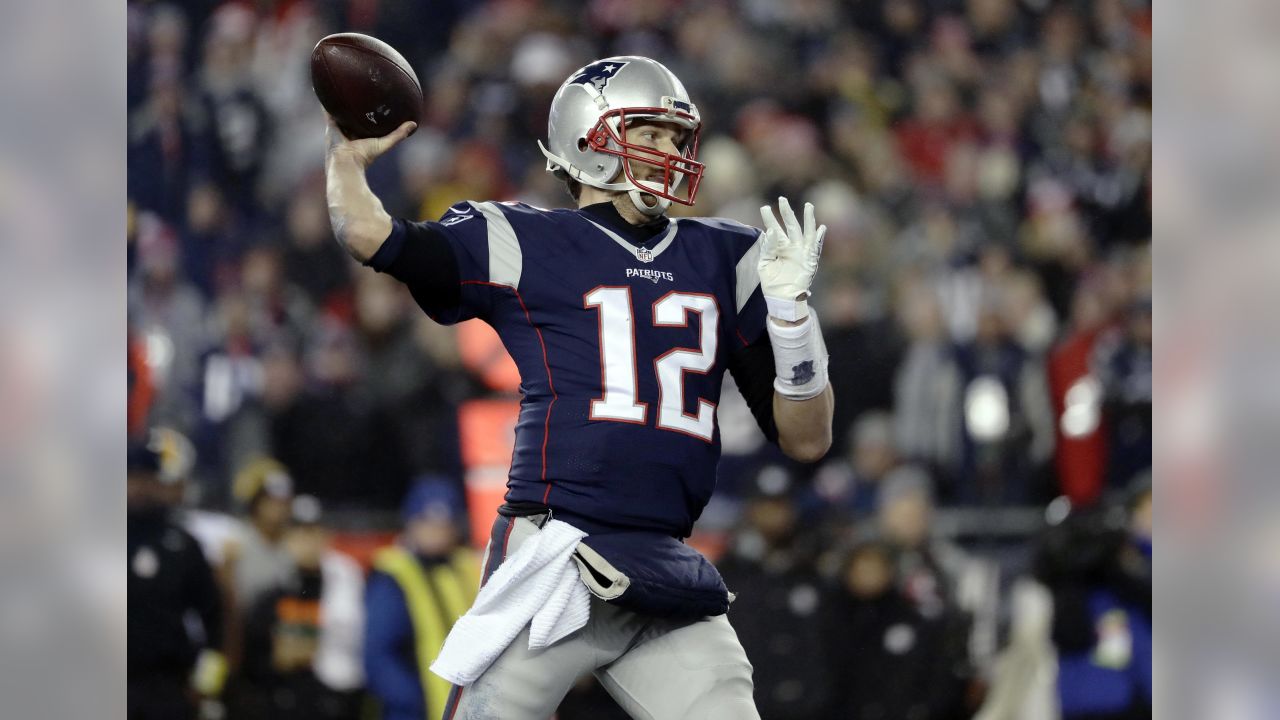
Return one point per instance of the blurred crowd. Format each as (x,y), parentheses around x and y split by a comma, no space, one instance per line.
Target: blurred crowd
(984,169)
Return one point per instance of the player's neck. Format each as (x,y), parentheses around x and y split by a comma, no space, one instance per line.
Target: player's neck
(621,202)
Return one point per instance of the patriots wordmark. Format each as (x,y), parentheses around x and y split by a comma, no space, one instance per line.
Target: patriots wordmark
(652,276)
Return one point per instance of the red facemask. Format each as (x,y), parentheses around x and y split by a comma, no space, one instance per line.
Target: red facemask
(603,138)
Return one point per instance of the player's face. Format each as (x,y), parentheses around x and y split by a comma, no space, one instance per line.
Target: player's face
(663,137)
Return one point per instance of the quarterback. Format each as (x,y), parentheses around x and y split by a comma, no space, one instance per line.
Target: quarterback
(622,322)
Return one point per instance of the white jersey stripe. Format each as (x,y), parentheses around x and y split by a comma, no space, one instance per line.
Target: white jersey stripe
(505,260)
(748,273)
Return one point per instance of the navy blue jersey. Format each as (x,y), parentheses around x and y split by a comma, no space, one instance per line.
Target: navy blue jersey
(621,350)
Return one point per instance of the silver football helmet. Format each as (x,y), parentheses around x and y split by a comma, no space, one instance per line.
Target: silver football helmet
(587,131)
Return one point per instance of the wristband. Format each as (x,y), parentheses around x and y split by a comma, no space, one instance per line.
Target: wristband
(787,309)
(799,358)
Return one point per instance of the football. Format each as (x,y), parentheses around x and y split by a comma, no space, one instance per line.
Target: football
(366,85)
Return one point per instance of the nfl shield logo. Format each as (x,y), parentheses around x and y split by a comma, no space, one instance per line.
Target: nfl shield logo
(643,255)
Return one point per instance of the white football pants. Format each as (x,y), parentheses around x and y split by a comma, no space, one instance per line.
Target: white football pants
(656,669)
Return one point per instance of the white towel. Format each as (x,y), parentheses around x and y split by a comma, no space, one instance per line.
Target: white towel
(537,586)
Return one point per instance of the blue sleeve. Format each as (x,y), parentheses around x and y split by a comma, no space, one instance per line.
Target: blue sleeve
(751,318)
(467,230)
(408,255)
(388,630)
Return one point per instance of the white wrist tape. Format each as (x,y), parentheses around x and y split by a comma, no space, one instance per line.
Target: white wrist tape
(799,358)
(785,309)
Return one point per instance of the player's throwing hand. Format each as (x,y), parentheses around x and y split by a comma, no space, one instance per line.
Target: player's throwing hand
(788,260)
(366,150)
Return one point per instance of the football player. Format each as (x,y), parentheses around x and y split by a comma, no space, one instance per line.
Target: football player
(622,322)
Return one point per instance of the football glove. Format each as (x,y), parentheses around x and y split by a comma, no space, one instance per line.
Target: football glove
(788,260)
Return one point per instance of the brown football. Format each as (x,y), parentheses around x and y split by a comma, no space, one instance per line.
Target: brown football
(366,85)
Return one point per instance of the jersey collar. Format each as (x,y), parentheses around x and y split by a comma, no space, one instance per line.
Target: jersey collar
(604,213)
(642,253)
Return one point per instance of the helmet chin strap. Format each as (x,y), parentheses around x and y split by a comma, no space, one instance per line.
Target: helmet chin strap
(660,205)
(638,198)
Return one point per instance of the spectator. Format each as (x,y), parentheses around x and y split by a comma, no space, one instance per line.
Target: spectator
(891,660)
(925,415)
(1006,416)
(849,487)
(169,146)
(780,607)
(418,589)
(259,560)
(213,240)
(168,311)
(937,124)
(241,125)
(312,261)
(1122,363)
(927,570)
(139,386)
(939,577)
(302,639)
(1098,567)
(170,583)
(325,432)
(1080,444)
(874,350)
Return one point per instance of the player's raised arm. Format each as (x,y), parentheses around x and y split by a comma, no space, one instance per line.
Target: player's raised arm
(803,402)
(359,221)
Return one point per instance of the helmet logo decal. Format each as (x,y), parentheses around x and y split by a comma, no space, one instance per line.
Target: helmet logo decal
(598,74)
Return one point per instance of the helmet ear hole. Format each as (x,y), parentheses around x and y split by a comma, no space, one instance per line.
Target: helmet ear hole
(582,144)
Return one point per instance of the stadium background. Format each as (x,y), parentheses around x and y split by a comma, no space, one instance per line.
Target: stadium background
(983,166)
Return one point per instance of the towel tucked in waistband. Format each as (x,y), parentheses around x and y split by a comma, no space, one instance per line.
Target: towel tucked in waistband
(538,585)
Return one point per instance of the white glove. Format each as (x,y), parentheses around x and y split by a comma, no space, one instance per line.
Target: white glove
(788,260)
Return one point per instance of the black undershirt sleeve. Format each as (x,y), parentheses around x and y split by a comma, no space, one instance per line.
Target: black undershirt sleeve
(420,257)
(752,369)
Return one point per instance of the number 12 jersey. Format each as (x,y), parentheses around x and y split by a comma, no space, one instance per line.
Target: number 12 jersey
(621,340)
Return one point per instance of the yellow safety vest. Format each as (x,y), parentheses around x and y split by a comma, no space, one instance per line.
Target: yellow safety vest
(456,585)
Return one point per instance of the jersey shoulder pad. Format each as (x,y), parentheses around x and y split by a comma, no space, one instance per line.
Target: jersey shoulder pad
(512,208)
(731,230)
(733,238)
(464,207)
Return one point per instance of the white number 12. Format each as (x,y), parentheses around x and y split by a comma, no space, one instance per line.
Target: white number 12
(618,379)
